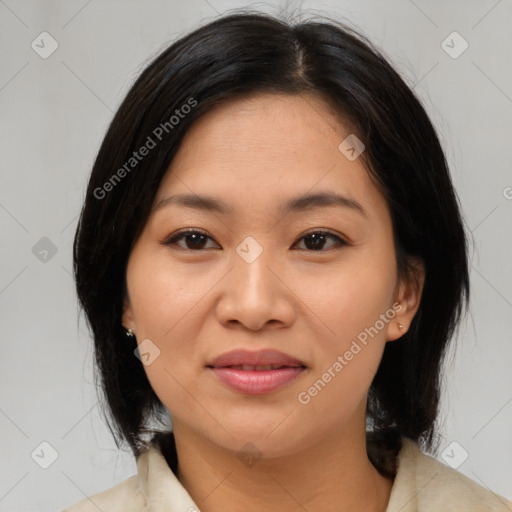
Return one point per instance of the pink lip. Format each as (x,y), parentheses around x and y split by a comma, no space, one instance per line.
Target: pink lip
(260,357)
(256,382)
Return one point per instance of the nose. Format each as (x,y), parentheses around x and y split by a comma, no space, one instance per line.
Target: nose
(256,295)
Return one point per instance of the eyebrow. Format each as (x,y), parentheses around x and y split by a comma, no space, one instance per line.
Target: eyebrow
(295,204)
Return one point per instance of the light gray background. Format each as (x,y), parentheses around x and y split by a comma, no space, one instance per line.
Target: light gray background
(54,113)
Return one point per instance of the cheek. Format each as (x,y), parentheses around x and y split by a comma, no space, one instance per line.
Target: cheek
(164,295)
(349,347)
(165,300)
(351,296)
(352,335)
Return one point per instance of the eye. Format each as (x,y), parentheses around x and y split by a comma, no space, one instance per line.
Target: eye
(194,239)
(315,240)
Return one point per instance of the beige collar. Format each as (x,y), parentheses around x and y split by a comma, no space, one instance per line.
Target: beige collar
(422,484)
(160,486)
(165,493)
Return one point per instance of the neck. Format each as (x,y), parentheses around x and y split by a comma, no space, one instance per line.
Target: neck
(319,477)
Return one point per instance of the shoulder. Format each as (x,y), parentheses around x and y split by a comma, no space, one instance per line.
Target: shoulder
(423,484)
(123,497)
(155,487)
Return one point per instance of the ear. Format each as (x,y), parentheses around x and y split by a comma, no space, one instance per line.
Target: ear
(407,300)
(127,317)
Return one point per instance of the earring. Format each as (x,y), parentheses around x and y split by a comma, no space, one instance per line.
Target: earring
(129,333)
(401,327)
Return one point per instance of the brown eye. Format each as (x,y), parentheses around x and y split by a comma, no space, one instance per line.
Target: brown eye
(194,240)
(316,240)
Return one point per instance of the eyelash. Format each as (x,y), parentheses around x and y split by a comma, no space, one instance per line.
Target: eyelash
(173,239)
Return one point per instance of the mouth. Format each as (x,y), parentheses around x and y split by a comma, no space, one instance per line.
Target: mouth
(256,373)
(256,368)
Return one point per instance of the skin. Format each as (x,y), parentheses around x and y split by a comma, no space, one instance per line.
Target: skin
(195,304)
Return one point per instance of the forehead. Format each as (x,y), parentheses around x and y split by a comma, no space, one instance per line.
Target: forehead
(267,148)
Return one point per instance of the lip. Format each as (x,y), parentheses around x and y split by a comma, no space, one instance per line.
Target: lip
(252,381)
(260,357)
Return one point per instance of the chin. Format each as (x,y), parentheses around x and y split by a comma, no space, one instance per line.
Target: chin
(257,440)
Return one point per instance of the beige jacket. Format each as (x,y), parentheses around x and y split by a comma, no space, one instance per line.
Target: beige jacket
(422,484)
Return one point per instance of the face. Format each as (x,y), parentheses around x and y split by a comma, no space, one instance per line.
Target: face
(271,262)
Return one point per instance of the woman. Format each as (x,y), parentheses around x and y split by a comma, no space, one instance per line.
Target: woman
(271,249)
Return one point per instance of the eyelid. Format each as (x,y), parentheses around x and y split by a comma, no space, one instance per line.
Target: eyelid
(324,231)
(170,240)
